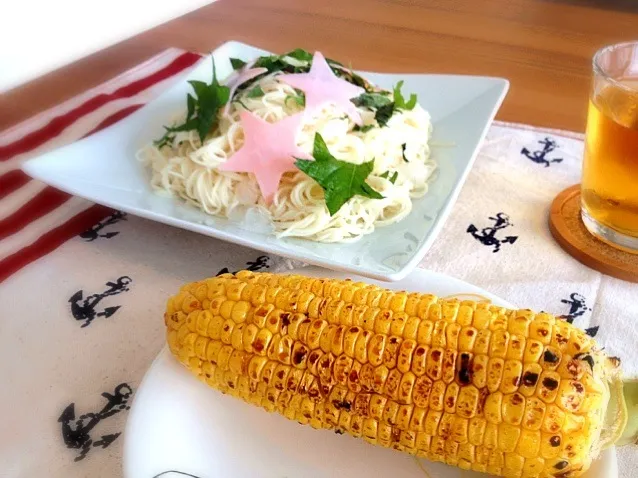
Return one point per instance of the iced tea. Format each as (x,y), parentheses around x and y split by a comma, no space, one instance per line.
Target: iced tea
(610,170)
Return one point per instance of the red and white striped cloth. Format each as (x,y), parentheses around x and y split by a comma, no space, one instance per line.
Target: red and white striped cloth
(35,218)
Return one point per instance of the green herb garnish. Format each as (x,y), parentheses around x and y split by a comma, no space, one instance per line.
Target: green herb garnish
(392,178)
(300,54)
(371,100)
(399,100)
(236,63)
(403,146)
(384,113)
(340,180)
(202,109)
(363,129)
(299,98)
(256,92)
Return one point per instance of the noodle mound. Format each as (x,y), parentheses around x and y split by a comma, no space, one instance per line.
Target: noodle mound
(189,169)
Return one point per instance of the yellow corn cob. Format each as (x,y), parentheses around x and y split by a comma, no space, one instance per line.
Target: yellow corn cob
(506,392)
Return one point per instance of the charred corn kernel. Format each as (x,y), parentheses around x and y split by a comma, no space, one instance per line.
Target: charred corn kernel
(534,413)
(315,333)
(201,343)
(493,407)
(496,462)
(466,456)
(449,365)
(424,332)
(571,368)
(399,320)
(341,369)
(391,351)
(434,312)
(404,355)
(479,369)
(551,358)
(519,325)
(417,421)
(452,336)
(411,328)
(579,343)
(547,388)
(541,328)
(499,320)
(482,455)
(437,394)
(438,334)
(464,315)
(467,404)
(513,464)
(406,387)
(490,437)
(561,335)
(419,359)
(369,318)
(571,394)
(533,466)
(482,344)
(383,322)
(513,408)
(467,338)
(516,348)
(459,431)
(533,351)
(476,430)
(508,436)
(450,398)
(512,371)
(451,452)
(529,378)
(508,392)
(494,373)
(499,344)
(434,364)
(392,383)
(346,313)
(550,446)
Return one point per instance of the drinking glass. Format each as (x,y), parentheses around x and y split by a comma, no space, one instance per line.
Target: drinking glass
(609,188)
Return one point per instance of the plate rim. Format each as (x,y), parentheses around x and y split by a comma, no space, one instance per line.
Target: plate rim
(30,167)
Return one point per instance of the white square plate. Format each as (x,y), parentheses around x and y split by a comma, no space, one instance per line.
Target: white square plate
(103,169)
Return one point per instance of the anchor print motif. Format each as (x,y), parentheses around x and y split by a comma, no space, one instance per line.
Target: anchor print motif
(93,233)
(540,156)
(76,432)
(577,307)
(84,309)
(262,262)
(487,236)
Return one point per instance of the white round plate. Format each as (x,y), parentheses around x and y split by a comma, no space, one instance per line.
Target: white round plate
(178,427)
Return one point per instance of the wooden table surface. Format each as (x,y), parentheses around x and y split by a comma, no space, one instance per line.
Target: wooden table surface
(544,47)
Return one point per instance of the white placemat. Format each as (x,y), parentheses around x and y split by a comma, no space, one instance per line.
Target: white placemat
(80,326)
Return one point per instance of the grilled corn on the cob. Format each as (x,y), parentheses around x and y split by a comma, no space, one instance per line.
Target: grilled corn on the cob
(506,392)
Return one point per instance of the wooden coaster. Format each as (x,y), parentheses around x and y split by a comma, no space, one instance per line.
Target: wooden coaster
(569,231)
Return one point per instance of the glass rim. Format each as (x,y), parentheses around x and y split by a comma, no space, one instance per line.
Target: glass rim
(600,71)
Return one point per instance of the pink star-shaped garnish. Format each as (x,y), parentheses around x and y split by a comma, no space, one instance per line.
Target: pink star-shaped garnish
(321,86)
(240,77)
(269,151)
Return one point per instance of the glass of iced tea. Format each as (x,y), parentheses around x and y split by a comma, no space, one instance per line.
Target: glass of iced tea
(609,188)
